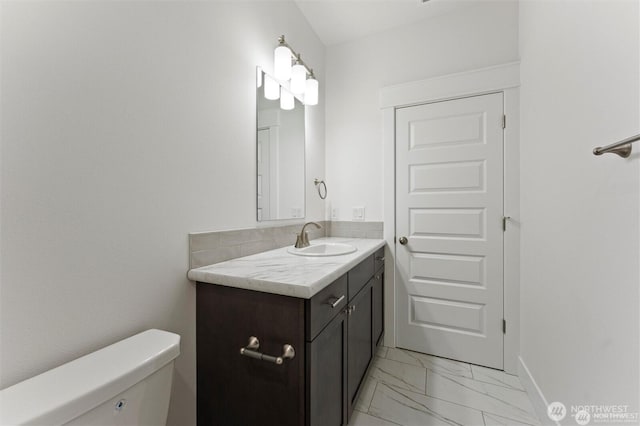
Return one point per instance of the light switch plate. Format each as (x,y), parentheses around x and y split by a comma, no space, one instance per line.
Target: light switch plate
(358,214)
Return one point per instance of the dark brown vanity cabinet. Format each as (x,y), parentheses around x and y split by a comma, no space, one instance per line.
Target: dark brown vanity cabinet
(360,343)
(334,335)
(378,306)
(326,377)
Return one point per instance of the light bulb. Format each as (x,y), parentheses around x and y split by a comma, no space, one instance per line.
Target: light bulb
(286,100)
(271,88)
(298,76)
(282,63)
(311,92)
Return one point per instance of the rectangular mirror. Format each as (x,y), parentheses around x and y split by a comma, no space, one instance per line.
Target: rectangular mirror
(280,153)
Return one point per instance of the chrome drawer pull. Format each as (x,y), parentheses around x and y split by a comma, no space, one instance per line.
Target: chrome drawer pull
(337,301)
(254,343)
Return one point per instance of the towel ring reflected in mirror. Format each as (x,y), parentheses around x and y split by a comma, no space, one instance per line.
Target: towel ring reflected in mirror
(319,185)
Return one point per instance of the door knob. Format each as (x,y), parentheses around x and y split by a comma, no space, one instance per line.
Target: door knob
(403,240)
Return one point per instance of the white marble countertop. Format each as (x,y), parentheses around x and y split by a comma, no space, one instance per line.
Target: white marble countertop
(279,272)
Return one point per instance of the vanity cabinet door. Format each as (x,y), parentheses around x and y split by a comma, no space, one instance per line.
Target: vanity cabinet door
(360,339)
(236,390)
(378,306)
(326,375)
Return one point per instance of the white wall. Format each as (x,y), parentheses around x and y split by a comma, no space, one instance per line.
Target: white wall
(580,74)
(473,37)
(125,126)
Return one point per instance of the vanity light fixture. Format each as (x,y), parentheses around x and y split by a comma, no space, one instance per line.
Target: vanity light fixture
(282,61)
(298,77)
(286,100)
(311,91)
(290,68)
(271,88)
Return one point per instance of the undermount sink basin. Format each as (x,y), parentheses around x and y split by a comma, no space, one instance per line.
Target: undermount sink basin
(323,249)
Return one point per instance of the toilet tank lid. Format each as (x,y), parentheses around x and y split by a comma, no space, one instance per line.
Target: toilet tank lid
(63,393)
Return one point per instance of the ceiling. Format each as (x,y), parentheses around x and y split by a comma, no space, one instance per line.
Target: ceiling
(341,21)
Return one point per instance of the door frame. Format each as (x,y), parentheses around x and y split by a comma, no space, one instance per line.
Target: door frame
(504,78)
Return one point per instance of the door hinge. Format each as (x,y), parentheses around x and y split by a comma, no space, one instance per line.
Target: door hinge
(504,121)
(394,239)
(504,326)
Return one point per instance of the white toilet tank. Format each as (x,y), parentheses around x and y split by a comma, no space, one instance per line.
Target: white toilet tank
(127,383)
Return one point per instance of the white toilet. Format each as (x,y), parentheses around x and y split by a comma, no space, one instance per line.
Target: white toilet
(127,383)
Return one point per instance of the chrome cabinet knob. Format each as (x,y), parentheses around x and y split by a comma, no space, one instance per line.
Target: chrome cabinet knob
(403,240)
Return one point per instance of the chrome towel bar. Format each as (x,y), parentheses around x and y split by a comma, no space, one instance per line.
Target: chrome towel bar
(254,343)
(622,148)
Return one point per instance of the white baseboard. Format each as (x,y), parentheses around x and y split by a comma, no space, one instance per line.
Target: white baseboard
(536,396)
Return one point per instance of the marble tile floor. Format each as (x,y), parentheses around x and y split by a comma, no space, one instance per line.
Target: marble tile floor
(413,389)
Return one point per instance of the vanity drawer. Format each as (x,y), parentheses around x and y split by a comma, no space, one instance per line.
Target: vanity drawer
(360,275)
(322,307)
(378,258)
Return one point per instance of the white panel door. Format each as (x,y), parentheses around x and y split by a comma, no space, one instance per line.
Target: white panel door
(449,207)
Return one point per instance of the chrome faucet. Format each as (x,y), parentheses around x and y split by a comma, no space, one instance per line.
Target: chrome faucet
(302,239)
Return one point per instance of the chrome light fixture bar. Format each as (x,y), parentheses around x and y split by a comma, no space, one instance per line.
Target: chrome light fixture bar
(289,67)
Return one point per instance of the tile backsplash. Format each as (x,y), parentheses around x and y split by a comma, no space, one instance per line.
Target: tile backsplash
(354,229)
(206,248)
